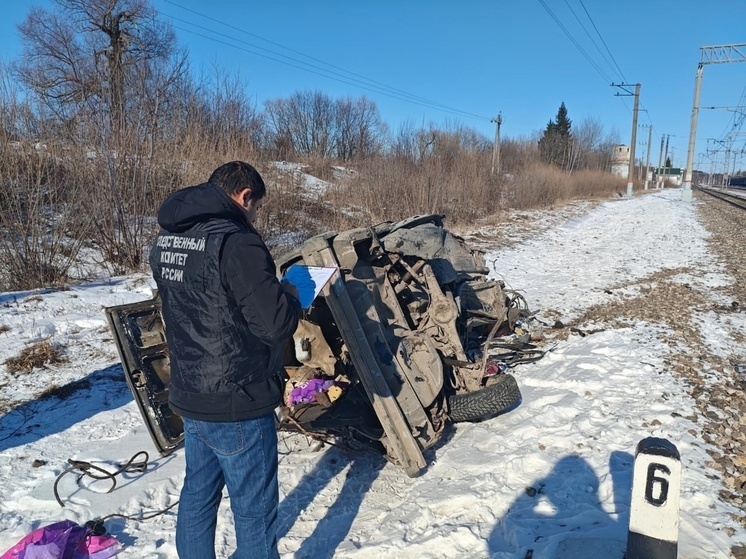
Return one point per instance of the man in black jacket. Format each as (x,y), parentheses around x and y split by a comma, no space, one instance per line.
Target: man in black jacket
(227,318)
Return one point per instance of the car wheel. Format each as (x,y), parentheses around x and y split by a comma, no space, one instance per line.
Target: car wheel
(496,398)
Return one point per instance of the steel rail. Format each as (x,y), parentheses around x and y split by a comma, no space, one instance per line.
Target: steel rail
(737,201)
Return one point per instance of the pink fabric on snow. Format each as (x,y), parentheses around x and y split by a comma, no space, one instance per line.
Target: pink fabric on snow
(64,540)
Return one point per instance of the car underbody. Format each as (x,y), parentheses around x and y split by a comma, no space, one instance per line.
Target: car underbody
(409,334)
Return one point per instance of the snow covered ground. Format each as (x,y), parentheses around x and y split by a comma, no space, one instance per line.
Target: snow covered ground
(558,467)
(309,185)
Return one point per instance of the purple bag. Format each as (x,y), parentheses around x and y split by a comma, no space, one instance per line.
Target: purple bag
(64,540)
(306,391)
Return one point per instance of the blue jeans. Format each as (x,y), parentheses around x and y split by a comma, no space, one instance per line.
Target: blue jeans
(241,455)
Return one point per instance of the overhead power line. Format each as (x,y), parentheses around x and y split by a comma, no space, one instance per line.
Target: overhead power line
(614,68)
(583,27)
(574,42)
(343,75)
(602,40)
(732,120)
(205,16)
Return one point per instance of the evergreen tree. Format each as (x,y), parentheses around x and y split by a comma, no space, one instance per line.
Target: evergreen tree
(563,124)
(555,145)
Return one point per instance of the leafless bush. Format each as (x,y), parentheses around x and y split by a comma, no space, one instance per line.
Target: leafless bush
(591,184)
(541,185)
(438,174)
(292,212)
(35,356)
(40,235)
(429,170)
(537,185)
(320,168)
(4,328)
(517,154)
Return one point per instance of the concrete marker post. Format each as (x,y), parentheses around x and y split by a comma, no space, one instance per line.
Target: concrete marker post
(654,511)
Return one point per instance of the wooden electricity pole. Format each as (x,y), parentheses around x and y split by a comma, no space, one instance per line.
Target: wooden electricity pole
(496,146)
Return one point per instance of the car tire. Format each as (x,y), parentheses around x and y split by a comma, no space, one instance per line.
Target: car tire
(498,397)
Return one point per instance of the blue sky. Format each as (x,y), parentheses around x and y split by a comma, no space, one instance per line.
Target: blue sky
(476,58)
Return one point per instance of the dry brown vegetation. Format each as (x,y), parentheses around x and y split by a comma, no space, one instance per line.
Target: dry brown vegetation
(35,356)
(461,188)
(88,150)
(60,200)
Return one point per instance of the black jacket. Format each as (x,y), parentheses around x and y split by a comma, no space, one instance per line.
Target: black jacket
(226,315)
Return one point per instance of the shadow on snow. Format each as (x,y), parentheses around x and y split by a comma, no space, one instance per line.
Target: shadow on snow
(62,407)
(566,505)
(330,530)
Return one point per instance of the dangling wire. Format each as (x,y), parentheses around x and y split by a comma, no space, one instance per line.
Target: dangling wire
(87,469)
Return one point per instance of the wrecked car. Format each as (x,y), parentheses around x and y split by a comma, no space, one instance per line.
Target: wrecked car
(408,334)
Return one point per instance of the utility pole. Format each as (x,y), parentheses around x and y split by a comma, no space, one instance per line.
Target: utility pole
(686,194)
(719,54)
(647,162)
(668,137)
(660,164)
(631,173)
(496,146)
(731,139)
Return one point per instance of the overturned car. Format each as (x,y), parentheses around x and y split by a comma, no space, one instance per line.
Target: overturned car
(408,334)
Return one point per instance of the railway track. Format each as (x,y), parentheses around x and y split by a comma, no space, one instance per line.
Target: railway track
(737,200)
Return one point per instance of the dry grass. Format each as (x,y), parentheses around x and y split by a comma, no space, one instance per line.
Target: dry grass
(36,356)
(4,328)
(540,186)
(90,187)
(463,189)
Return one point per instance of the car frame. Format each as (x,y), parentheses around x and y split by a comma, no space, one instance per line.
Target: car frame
(404,331)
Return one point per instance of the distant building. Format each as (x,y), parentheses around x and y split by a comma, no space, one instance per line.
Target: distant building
(671,174)
(620,161)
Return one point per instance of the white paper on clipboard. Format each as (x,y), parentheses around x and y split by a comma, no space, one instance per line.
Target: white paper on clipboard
(309,280)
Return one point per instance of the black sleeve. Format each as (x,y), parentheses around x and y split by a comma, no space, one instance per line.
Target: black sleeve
(249,274)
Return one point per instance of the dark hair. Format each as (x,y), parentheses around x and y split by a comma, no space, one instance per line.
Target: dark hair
(233,177)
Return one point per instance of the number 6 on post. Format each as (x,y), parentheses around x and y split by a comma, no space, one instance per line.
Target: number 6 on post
(654,510)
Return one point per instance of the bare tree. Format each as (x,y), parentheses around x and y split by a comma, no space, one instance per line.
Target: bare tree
(221,115)
(312,124)
(586,139)
(403,143)
(359,128)
(306,118)
(105,71)
(95,50)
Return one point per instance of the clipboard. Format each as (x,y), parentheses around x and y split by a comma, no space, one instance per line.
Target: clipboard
(308,280)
